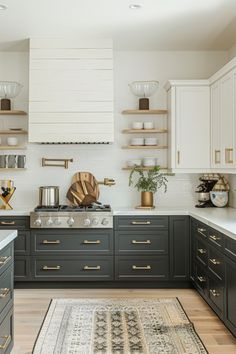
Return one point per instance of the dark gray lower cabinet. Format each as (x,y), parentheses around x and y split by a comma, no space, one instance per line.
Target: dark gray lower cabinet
(230,310)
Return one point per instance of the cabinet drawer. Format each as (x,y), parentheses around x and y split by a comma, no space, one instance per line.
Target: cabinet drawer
(141,242)
(79,241)
(201,279)
(201,251)
(216,294)
(6,257)
(22,243)
(141,222)
(216,238)
(6,333)
(72,268)
(6,288)
(14,222)
(21,268)
(216,263)
(142,268)
(230,248)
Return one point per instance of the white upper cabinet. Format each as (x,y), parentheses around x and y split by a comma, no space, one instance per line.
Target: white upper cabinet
(189,125)
(71,91)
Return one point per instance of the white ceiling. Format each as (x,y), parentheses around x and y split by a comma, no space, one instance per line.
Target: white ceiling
(158,25)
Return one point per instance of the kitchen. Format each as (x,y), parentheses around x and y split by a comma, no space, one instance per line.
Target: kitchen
(189,62)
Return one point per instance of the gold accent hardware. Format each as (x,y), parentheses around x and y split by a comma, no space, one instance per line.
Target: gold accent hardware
(214,238)
(6,343)
(201,250)
(214,293)
(92,268)
(4,260)
(217,160)
(148,267)
(214,261)
(51,268)
(202,279)
(88,242)
(4,292)
(107,182)
(178,157)
(7,222)
(201,231)
(65,163)
(141,242)
(52,242)
(228,152)
(141,222)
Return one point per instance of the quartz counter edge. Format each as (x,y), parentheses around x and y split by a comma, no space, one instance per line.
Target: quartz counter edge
(6,237)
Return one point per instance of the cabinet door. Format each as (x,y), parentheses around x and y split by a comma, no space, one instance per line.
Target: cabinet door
(216,152)
(179,247)
(227,120)
(192,127)
(231,295)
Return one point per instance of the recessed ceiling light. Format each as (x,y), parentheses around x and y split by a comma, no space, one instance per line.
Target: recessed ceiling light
(3,7)
(135,6)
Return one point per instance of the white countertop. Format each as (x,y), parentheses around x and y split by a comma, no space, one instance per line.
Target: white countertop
(7,236)
(16,212)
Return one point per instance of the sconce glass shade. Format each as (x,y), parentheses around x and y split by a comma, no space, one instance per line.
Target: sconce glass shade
(9,89)
(144,88)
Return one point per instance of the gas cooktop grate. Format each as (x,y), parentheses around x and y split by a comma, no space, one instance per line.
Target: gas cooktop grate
(74,208)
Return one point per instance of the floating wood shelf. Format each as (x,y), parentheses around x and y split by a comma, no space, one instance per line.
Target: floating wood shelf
(12,169)
(13,147)
(13,132)
(145,147)
(13,113)
(146,111)
(144,131)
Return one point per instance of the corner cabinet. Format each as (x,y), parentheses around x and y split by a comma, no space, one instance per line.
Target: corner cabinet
(188,125)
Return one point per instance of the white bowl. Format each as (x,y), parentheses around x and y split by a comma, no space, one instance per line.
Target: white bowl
(137,141)
(134,162)
(12,141)
(148,125)
(219,199)
(150,141)
(137,125)
(149,161)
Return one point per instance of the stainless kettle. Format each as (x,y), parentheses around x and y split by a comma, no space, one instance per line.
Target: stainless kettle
(49,196)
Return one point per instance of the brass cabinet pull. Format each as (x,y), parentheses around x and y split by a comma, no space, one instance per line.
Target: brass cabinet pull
(4,292)
(147,242)
(4,260)
(214,293)
(7,222)
(141,222)
(148,267)
(214,238)
(214,261)
(92,268)
(217,154)
(88,242)
(201,231)
(202,279)
(178,157)
(202,250)
(51,268)
(51,242)
(7,341)
(228,158)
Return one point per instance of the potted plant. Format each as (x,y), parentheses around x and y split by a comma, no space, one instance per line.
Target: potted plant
(148,183)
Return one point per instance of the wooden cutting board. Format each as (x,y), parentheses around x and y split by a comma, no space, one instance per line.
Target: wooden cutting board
(89,179)
(81,193)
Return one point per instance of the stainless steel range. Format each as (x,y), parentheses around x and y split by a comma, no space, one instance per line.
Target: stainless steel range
(64,216)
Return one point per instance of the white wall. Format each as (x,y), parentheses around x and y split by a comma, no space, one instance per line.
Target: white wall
(107,160)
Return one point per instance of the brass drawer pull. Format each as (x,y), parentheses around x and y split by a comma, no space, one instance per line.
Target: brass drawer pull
(92,268)
(214,238)
(135,242)
(228,157)
(214,261)
(7,341)
(217,156)
(148,267)
(7,222)
(4,260)
(4,292)
(214,293)
(141,222)
(51,268)
(52,242)
(88,242)
(201,231)
(202,250)
(202,279)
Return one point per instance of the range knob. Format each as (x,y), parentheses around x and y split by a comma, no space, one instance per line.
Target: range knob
(57,222)
(49,222)
(70,221)
(87,222)
(95,221)
(38,222)
(105,222)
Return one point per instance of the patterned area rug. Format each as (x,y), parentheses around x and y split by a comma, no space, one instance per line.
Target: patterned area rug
(117,326)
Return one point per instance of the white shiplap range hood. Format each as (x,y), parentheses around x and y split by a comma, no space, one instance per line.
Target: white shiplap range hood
(71,91)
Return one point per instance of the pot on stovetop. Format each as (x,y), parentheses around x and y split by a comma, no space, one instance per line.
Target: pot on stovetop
(49,196)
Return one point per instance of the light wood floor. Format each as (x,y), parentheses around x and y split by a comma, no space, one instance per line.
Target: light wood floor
(31,306)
